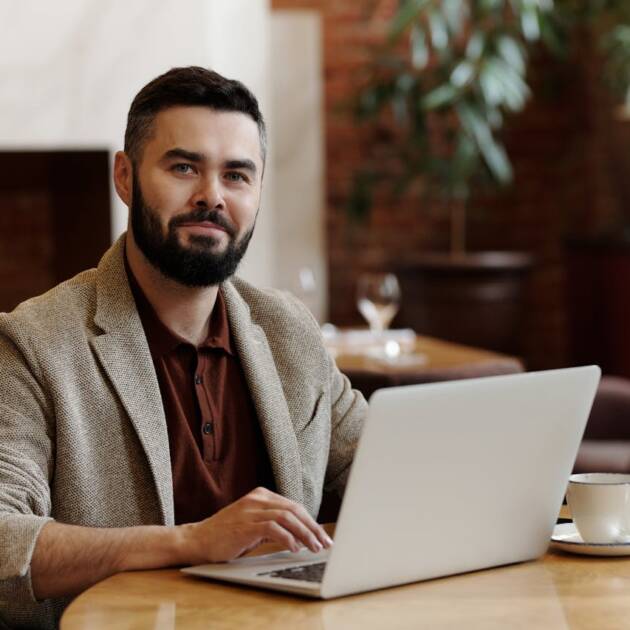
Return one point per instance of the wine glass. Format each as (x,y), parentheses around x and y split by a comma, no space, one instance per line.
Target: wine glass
(378,299)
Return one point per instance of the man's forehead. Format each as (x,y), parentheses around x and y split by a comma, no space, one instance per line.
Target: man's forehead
(202,129)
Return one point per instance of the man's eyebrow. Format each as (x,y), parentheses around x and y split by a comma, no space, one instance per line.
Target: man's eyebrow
(186,155)
(245,164)
(192,156)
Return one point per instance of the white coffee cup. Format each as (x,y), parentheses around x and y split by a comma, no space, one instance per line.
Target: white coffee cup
(600,507)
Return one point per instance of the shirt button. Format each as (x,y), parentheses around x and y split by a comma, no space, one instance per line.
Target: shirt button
(198,379)
(207,428)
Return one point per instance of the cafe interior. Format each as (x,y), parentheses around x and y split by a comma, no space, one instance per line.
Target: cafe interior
(447,190)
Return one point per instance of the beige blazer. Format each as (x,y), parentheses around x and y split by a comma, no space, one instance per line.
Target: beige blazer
(83,436)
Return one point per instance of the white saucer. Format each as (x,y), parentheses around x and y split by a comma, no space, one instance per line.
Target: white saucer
(566,537)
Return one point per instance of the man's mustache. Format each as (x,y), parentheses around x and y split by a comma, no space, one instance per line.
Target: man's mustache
(201,216)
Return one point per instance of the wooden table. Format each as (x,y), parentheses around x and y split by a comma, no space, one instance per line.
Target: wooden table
(439,360)
(559,591)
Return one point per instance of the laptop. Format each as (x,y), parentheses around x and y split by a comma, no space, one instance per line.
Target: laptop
(447,478)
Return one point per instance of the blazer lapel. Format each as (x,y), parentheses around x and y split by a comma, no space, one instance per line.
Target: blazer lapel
(124,354)
(268,396)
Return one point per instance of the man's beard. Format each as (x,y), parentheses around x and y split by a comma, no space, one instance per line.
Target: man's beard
(194,265)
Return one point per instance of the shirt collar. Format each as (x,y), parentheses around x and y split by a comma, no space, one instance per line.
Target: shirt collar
(162,340)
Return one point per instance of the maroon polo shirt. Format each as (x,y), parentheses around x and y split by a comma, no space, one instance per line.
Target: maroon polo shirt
(217,449)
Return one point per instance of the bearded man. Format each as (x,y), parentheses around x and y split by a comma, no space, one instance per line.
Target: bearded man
(157,411)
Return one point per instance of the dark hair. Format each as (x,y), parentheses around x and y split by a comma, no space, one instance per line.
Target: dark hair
(192,86)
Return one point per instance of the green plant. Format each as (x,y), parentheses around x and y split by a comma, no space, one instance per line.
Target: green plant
(450,73)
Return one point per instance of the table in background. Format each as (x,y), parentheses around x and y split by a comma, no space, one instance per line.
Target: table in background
(443,361)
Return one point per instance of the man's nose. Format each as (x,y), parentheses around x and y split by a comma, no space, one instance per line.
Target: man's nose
(209,194)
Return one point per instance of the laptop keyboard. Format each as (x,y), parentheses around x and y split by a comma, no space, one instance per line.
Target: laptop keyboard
(304,572)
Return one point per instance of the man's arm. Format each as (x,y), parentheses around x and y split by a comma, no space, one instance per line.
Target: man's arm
(349,409)
(347,413)
(68,559)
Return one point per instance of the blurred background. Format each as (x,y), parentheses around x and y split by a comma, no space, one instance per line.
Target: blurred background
(479,151)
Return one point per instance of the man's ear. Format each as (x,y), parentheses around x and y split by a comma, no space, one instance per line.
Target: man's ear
(123,177)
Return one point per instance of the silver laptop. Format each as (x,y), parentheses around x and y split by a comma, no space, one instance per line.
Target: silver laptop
(447,478)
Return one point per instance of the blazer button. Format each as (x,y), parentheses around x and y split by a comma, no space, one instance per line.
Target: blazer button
(207,428)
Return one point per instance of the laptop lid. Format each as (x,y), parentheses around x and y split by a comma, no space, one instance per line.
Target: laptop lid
(458,476)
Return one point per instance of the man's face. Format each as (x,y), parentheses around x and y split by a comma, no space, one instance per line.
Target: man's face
(196,193)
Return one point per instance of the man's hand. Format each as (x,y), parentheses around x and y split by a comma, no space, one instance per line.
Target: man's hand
(68,558)
(260,516)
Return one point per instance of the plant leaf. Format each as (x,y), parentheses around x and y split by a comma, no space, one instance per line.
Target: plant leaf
(465,162)
(440,96)
(407,13)
(529,24)
(455,13)
(495,117)
(462,74)
(511,52)
(494,154)
(491,5)
(515,91)
(419,48)
(491,87)
(438,30)
(475,46)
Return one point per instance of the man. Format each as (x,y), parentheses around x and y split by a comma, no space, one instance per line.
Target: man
(153,411)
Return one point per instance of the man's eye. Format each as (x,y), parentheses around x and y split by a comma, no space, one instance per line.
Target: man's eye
(234,176)
(183,169)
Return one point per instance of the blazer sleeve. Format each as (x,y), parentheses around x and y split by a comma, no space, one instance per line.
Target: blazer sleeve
(348,412)
(26,465)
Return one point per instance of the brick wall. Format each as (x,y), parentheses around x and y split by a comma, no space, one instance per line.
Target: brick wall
(560,146)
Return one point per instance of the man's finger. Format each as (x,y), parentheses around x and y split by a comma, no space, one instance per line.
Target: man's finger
(273,501)
(292,523)
(273,531)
